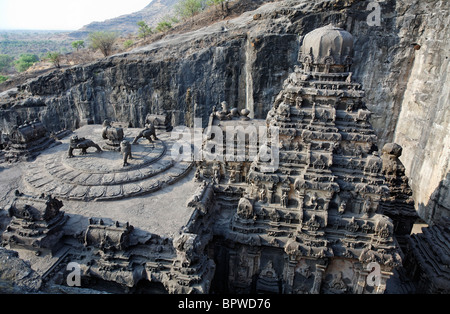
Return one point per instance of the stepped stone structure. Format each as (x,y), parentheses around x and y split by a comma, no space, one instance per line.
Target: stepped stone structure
(100,175)
(313,224)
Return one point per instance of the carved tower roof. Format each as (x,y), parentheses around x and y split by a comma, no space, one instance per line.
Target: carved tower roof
(327,45)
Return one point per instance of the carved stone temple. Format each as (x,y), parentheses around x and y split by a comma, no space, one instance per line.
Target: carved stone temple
(313,225)
(326,213)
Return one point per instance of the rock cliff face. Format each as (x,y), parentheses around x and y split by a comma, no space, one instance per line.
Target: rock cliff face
(402,64)
(423,127)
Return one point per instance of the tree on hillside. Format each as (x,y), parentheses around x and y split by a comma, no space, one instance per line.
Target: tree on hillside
(103,41)
(188,8)
(25,61)
(6,62)
(223,3)
(78,44)
(163,26)
(3,78)
(128,43)
(144,30)
(55,58)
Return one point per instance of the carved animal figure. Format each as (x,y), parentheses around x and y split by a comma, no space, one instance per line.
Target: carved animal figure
(125,148)
(187,246)
(81,143)
(149,132)
(114,135)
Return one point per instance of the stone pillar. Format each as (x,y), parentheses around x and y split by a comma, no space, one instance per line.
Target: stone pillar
(318,276)
(288,275)
(361,282)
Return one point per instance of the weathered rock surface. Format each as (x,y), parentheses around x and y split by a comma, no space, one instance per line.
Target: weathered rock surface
(16,276)
(402,64)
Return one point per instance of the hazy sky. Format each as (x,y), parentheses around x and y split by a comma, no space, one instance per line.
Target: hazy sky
(62,14)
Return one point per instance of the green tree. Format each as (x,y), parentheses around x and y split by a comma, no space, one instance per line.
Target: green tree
(144,30)
(25,61)
(223,3)
(103,41)
(78,44)
(55,58)
(163,26)
(128,43)
(188,8)
(6,62)
(3,78)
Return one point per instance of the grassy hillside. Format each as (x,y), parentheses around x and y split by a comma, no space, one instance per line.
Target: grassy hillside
(15,43)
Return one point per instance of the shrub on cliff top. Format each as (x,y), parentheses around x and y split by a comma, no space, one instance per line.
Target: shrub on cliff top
(188,8)
(103,41)
(25,61)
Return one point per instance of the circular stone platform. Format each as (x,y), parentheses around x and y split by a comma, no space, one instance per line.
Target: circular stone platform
(100,175)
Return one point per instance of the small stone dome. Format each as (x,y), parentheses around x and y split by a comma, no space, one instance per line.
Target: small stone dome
(327,48)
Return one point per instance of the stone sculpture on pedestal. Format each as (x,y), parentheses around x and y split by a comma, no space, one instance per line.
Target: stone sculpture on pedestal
(113,135)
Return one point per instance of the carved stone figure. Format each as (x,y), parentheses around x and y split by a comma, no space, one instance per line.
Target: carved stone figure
(284,199)
(224,114)
(125,149)
(337,285)
(187,248)
(268,281)
(216,176)
(366,208)
(149,132)
(245,208)
(342,207)
(263,194)
(112,134)
(81,143)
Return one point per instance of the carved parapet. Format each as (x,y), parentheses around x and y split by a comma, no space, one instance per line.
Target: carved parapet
(203,197)
(103,236)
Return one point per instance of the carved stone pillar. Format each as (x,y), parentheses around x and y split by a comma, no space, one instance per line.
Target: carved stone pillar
(288,275)
(361,282)
(318,276)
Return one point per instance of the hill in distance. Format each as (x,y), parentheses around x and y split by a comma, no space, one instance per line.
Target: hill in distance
(126,24)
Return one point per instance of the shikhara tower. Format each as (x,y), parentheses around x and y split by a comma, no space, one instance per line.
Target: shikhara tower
(314,225)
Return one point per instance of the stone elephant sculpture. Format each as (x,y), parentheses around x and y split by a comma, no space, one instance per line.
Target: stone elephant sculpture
(81,143)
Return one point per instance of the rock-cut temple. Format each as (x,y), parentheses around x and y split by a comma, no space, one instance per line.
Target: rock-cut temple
(332,215)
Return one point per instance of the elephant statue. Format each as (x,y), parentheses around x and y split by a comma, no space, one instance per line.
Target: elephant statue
(81,143)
